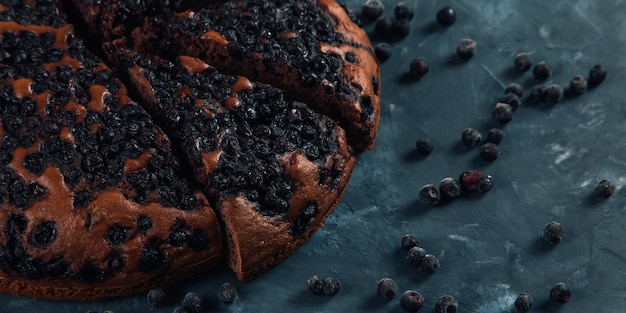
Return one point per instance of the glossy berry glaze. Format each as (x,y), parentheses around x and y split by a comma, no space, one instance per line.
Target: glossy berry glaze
(93,201)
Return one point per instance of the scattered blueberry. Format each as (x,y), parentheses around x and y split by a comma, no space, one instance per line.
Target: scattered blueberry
(383,25)
(331,286)
(372,9)
(193,302)
(386,288)
(523,62)
(524,302)
(401,27)
(446,16)
(502,113)
(228,293)
(158,297)
(542,70)
(553,232)
(489,152)
(475,181)
(418,68)
(560,293)
(511,99)
(578,84)
(538,93)
(180,309)
(411,301)
(315,285)
(429,195)
(449,188)
(446,304)
(415,256)
(430,263)
(424,146)
(514,88)
(495,135)
(466,49)
(597,74)
(382,51)
(605,188)
(554,93)
(471,137)
(404,11)
(409,241)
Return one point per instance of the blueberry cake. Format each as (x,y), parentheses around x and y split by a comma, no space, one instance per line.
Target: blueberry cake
(93,202)
(311,49)
(273,168)
(237,143)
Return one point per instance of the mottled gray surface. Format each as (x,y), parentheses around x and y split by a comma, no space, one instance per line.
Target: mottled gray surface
(490,246)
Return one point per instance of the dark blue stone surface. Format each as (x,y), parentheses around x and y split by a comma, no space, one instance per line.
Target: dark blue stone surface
(490,246)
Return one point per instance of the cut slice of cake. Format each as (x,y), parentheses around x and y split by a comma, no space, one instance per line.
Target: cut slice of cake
(93,203)
(274,168)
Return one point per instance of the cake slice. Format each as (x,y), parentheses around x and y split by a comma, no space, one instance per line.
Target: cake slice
(310,49)
(274,168)
(93,202)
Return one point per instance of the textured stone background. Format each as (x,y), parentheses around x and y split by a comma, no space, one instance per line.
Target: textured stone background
(490,246)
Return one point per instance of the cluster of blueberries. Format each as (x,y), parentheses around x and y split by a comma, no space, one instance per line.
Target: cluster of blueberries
(192,301)
(411,300)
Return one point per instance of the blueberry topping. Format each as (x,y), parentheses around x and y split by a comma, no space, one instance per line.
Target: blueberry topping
(116,262)
(152,258)
(44,234)
(34,163)
(116,234)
